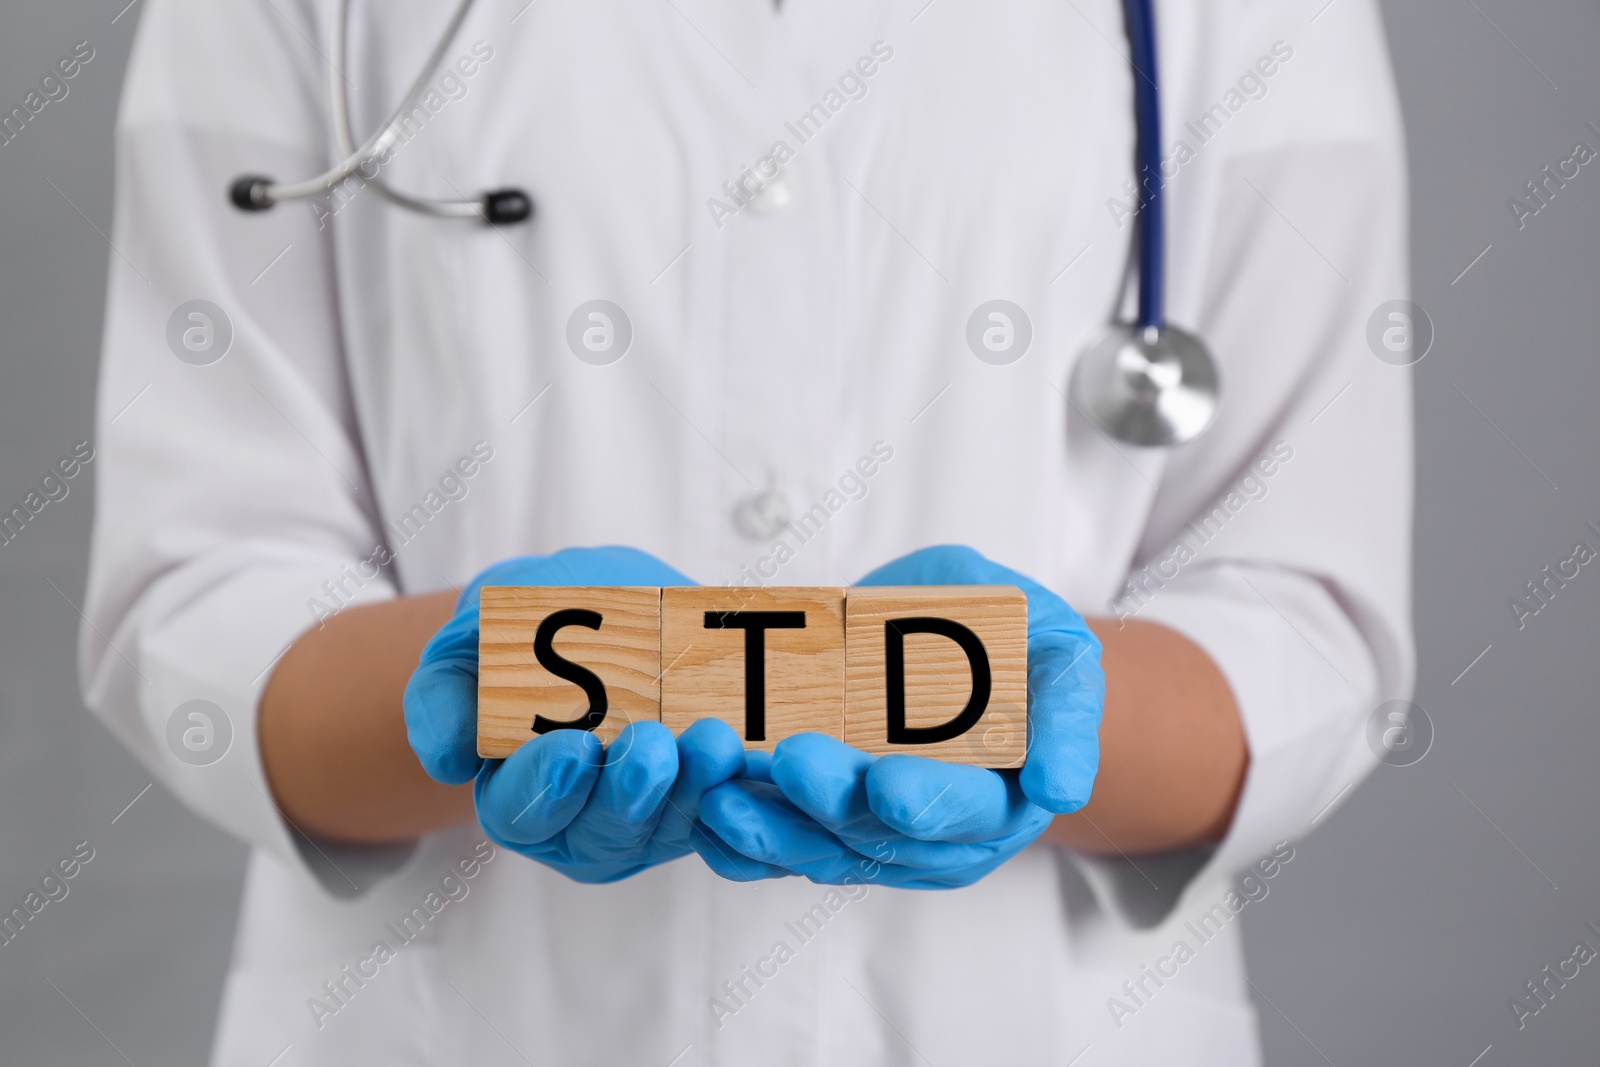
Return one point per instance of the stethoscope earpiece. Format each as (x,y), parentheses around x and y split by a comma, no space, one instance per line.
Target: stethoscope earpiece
(500,207)
(249,192)
(1150,386)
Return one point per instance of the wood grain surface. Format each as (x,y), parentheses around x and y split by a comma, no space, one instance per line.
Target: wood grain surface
(938,677)
(704,671)
(624,653)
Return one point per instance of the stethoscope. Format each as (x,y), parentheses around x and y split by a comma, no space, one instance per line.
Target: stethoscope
(1145,383)
(498,207)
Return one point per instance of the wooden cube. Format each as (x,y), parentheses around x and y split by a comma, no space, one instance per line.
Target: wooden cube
(767,661)
(565,657)
(939,672)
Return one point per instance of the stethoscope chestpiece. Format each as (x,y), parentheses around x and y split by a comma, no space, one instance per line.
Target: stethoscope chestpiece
(1149,386)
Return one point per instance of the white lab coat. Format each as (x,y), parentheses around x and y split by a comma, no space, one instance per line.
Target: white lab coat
(373,351)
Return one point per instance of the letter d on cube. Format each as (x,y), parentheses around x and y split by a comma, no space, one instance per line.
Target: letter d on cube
(939,672)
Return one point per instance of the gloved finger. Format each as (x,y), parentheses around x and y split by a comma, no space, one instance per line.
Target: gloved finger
(934,801)
(726,861)
(758,822)
(823,777)
(1066,686)
(533,794)
(952,877)
(629,794)
(1066,695)
(827,780)
(901,851)
(709,753)
(757,766)
(773,831)
(941,565)
(441,709)
(960,565)
(610,565)
(764,826)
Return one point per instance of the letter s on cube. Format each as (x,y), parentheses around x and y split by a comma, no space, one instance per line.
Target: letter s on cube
(565,657)
(938,671)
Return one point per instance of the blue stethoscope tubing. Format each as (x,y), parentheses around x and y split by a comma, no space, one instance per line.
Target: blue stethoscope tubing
(1146,383)
(1147,153)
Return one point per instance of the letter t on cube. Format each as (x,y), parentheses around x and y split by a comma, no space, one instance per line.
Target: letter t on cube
(767,661)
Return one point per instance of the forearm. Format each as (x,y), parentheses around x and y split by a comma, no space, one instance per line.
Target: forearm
(1172,747)
(332,727)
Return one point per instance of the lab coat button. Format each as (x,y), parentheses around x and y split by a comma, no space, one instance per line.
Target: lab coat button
(762,516)
(773,195)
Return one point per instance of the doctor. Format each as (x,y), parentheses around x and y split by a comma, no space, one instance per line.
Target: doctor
(801,296)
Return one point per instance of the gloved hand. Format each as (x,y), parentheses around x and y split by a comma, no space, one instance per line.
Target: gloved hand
(597,814)
(836,814)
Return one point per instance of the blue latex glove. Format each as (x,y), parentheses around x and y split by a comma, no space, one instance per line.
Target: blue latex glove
(836,814)
(597,814)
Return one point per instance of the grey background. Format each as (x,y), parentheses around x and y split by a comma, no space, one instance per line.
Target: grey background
(1405,923)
